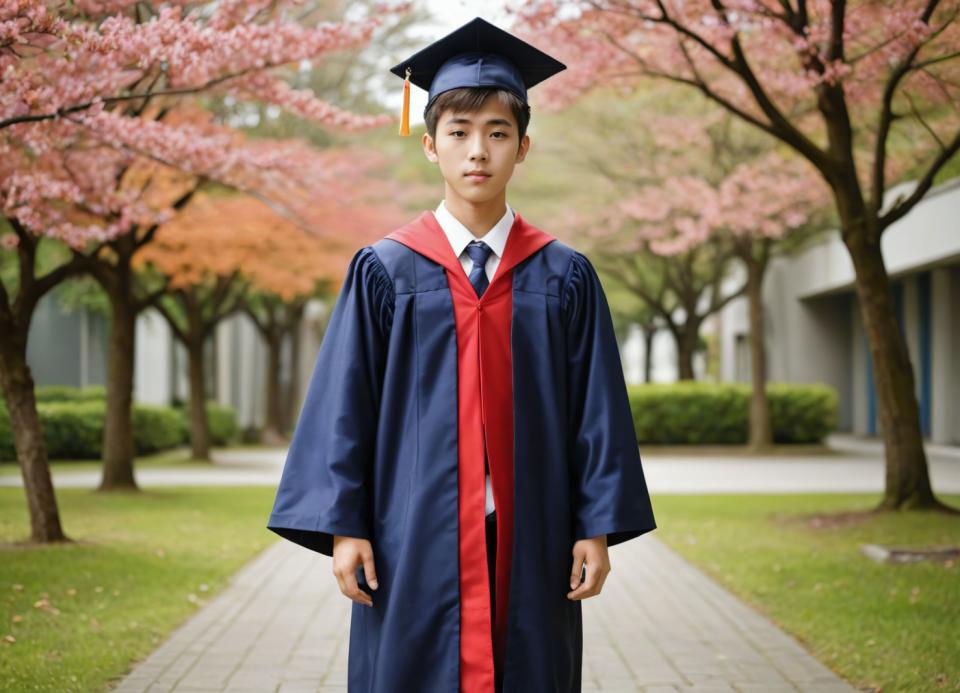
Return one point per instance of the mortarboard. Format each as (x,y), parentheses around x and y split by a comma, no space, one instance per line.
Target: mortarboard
(478,54)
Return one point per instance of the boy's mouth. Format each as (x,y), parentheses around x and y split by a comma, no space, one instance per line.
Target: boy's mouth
(477,175)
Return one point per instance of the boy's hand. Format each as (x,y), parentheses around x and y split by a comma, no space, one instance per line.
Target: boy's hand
(593,551)
(348,553)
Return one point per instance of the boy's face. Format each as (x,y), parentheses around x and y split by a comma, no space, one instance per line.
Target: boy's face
(484,141)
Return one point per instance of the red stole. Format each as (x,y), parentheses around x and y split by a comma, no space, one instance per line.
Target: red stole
(485,402)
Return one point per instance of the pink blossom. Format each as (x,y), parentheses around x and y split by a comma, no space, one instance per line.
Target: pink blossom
(615,42)
(67,134)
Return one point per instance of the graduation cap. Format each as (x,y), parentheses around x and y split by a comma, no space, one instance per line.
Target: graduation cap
(478,54)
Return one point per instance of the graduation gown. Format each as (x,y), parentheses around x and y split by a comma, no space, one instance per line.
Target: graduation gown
(415,378)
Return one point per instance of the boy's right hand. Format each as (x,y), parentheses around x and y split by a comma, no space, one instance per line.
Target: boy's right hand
(348,553)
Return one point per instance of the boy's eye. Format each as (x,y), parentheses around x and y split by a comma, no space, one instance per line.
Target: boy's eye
(458,133)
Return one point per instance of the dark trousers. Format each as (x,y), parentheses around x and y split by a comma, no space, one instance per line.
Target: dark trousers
(492,568)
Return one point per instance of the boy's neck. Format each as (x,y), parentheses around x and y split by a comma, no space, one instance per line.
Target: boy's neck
(477,217)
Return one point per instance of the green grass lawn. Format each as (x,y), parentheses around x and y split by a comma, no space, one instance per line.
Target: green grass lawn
(81,613)
(142,563)
(891,627)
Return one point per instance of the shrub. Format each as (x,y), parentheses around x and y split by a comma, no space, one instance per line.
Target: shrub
(221,420)
(157,428)
(223,423)
(72,421)
(67,393)
(692,413)
(74,429)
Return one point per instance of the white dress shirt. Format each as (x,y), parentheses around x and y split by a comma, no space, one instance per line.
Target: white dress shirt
(459,237)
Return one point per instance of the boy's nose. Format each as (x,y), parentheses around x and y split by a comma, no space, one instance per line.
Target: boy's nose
(478,150)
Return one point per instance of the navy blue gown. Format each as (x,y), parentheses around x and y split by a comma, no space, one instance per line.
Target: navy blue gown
(375,455)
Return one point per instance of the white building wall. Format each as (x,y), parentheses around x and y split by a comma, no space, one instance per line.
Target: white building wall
(632,356)
(733,322)
(225,364)
(152,359)
(241,369)
(858,365)
(945,355)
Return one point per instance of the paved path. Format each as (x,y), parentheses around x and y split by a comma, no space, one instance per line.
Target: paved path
(852,466)
(659,626)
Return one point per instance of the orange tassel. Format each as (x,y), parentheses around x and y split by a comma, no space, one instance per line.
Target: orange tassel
(405,114)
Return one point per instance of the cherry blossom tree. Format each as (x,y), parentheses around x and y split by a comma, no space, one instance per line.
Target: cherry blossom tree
(90,90)
(693,194)
(745,216)
(682,288)
(224,253)
(350,209)
(866,91)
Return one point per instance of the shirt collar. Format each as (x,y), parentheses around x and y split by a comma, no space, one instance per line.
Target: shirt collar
(459,235)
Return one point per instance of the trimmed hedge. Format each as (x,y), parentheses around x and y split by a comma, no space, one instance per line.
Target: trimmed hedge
(692,413)
(67,393)
(74,430)
(221,420)
(73,424)
(688,413)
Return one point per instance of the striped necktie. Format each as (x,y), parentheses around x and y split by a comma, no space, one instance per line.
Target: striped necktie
(479,252)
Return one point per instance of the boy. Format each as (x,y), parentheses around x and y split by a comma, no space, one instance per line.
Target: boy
(466,446)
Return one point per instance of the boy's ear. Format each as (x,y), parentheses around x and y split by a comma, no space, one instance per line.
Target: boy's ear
(429,147)
(524,148)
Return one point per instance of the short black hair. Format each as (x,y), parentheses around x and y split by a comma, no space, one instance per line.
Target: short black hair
(470,100)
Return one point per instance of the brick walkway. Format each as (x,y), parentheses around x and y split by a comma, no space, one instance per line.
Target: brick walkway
(659,626)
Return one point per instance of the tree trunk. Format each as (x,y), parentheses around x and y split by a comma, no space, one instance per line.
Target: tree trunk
(761,433)
(118,450)
(648,334)
(17,383)
(686,339)
(292,399)
(907,477)
(272,430)
(199,426)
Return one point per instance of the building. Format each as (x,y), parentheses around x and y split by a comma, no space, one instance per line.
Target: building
(72,348)
(814,332)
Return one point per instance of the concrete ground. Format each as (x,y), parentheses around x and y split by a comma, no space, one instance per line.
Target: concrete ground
(659,626)
(851,465)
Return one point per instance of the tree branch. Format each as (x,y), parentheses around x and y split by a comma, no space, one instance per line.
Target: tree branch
(886,118)
(67,110)
(904,205)
(171,320)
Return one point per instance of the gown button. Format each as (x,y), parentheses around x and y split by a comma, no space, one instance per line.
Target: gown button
(479,307)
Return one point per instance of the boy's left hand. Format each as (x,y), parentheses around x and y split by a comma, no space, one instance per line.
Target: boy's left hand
(593,551)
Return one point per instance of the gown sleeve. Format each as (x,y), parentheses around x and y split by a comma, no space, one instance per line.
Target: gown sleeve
(611,494)
(325,485)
